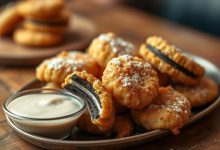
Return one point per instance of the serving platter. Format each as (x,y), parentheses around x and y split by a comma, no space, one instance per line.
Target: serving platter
(81,140)
(80,33)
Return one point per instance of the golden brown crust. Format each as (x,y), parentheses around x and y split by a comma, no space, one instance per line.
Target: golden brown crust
(107,115)
(8,19)
(108,46)
(56,69)
(36,38)
(85,124)
(123,126)
(203,93)
(174,54)
(170,110)
(40,9)
(132,81)
(91,65)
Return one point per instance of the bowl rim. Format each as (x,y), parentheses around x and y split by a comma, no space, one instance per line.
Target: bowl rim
(37,90)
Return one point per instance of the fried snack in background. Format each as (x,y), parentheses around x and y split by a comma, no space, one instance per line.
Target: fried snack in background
(36,38)
(9,18)
(58,24)
(45,22)
(40,9)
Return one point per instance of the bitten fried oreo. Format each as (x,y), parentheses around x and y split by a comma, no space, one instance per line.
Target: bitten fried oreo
(171,60)
(99,100)
(8,19)
(36,38)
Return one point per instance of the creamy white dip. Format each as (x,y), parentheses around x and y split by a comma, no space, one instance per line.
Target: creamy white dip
(44,105)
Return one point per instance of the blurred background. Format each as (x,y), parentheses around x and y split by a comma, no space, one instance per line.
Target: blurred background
(203,15)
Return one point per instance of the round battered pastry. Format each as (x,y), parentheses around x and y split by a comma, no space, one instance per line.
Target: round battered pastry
(170,60)
(108,46)
(56,69)
(92,66)
(36,38)
(102,113)
(170,110)
(203,93)
(132,81)
(9,18)
(40,9)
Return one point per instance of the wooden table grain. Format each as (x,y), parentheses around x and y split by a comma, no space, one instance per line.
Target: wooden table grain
(135,26)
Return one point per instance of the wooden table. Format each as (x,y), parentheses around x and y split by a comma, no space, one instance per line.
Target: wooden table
(134,26)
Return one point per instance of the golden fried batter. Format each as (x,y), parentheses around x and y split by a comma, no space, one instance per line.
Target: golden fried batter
(85,124)
(55,69)
(108,46)
(174,54)
(170,110)
(123,126)
(107,114)
(202,93)
(132,81)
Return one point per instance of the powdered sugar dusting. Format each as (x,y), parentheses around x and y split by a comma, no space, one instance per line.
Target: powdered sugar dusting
(179,105)
(134,79)
(58,63)
(116,61)
(134,70)
(118,45)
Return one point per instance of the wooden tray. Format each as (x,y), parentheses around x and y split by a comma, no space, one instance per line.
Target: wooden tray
(80,33)
(82,140)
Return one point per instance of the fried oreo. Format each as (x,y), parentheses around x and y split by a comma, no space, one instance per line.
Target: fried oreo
(171,60)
